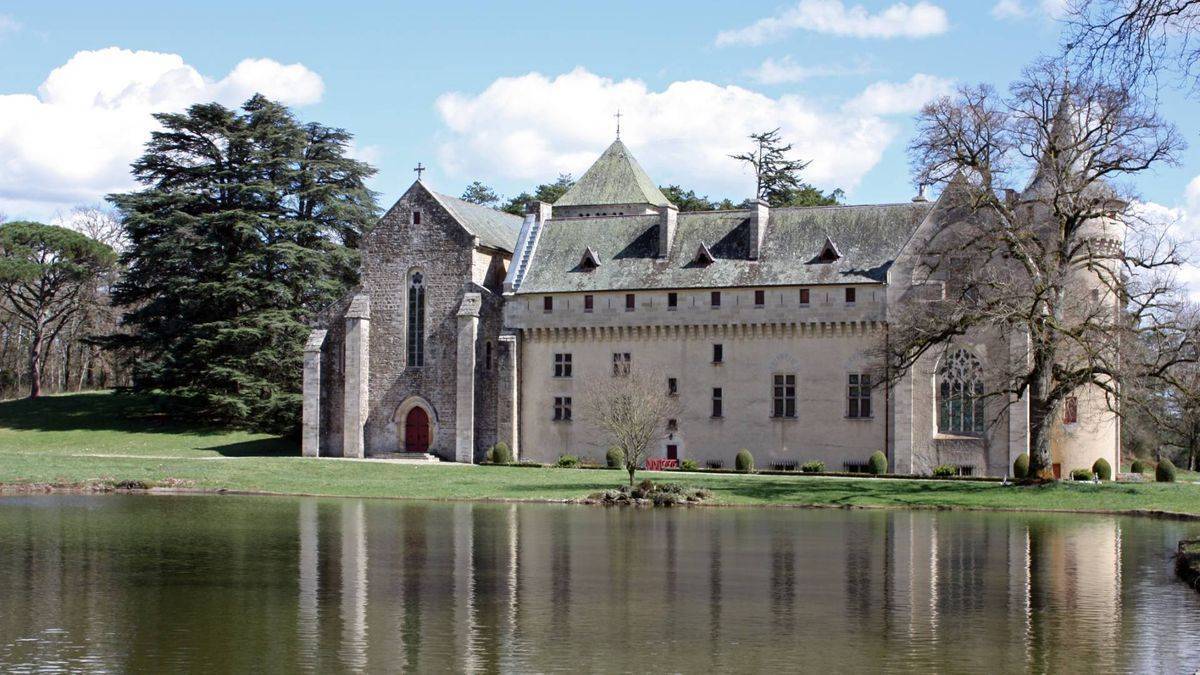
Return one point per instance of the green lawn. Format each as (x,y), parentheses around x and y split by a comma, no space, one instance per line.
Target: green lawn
(83,438)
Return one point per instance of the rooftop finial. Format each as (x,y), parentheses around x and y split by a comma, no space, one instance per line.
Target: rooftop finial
(419,169)
(618,116)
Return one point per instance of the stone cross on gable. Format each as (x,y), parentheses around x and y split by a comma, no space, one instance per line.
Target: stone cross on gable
(419,169)
(618,116)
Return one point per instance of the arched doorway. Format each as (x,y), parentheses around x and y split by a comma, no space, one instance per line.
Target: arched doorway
(416,430)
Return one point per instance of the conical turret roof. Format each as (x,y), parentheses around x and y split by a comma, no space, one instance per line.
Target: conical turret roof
(615,178)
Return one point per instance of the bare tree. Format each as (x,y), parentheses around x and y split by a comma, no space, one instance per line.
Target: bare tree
(1171,404)
(1138,38)
(632,409)
(99,222)
(1045,251)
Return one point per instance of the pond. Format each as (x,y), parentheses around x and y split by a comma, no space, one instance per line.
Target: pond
(166,583)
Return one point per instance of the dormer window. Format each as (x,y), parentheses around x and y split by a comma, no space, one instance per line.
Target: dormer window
(829,252)
(590,260)
(703,255)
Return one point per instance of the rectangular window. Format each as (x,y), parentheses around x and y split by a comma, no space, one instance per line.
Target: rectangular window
(547,304)
(717,409)
(562,365)
(672,300)
(784,396)
(587,303)
(716,299)
(804,296)
(760,298)
(562,408)
(672,425)
(850,295)
(621,361)
(718,353)
(1070,410)
(629,302)
(858,395)
(416,217)
(672,386)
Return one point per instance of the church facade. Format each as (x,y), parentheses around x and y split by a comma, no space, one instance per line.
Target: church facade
(472,326)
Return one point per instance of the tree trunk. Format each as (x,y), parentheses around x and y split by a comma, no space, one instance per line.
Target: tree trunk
(1041,417)
(631,469)
(35,365)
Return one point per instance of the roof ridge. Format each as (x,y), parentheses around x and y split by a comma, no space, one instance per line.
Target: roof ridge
(615,177)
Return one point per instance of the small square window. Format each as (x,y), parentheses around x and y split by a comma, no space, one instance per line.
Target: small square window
(672,425)
(630,302)
(562,365)
(672,386)
(562,408)
(672,300)
(715,299)
(547,304)
(804,296)
(718,353)
(621,362)
(760,298)
(587,303)
(850,296)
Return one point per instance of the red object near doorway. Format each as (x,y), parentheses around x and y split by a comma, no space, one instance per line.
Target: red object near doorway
(416,431)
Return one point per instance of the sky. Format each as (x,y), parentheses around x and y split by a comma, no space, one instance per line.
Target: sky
(515,93)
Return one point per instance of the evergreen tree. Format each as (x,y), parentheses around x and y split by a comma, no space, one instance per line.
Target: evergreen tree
(478,193)
(778,178)
(247,225)
(546,192)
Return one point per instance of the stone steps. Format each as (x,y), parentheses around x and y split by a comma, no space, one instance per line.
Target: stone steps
(407,457)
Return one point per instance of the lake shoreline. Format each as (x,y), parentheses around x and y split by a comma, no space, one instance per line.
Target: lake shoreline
(7,489)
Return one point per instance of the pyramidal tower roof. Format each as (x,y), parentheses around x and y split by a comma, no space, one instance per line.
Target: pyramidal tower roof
(615,178)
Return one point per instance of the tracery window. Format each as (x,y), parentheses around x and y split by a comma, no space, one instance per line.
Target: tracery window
(416,320)
(960,394)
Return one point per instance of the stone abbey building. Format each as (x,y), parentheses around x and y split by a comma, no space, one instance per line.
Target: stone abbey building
(472,326)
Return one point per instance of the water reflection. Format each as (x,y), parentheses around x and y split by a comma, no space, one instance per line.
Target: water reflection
(133,583)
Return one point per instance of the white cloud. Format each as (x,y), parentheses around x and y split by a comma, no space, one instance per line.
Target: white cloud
(895,98)
(532,127)
(786,70)
(1182,222)
(74,139)
(919,20)
(8,26)
(1017,9)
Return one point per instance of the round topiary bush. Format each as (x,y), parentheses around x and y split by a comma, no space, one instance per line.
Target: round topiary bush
(1081,474)
(615,458)
(877,464)
(1139,466)
(1102,469)
(501,454)
(1021,467)
(744,461)
(1165,472)
(689,465)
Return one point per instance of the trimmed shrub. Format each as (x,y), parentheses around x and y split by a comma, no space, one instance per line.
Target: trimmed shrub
(615,458)
(689,465)
(877,464)
(1139,466)
(816,466)
(501,454)
(567,462)
(1082,474)
(744,461)
(1165,471)
(945,471)
(1021,467)
(1102,469)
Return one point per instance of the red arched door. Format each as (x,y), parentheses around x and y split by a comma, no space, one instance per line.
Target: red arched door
(416,431)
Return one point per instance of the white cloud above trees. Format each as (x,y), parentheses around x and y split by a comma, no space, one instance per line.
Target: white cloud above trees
(896,98)
(532,127)
(785,70)
(833,17)
(73,139)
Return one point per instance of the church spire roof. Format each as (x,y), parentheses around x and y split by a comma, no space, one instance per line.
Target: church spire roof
(615,178)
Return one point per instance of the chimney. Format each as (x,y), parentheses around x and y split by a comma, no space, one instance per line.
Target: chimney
(668,216)
(541,211)
(920,198)
(758,227)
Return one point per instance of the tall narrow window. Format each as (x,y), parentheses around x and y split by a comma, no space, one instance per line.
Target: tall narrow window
(716,299)
(672,386)
(672,300)
(960,394)
(587,303)
(858,395)
(804,296)
(718,409)
(1070,410)
(784,396)
(621,361)
(562,365)
(416,217)
(487,358)
(416,320)
(851,294)
(562,408)
(760,298)
(718,353)
(630,302)
(548,304)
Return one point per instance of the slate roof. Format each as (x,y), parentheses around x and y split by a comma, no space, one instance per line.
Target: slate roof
(495,229)
(868,237)
(615,178)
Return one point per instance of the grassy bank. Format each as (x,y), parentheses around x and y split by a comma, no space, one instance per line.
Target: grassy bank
(84,438)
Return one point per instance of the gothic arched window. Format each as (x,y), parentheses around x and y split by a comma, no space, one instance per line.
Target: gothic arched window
(960,394)
(416,320)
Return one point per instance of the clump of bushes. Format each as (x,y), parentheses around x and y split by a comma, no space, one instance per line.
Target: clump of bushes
(1021,466)
(1102,469)
(1165,471)
(784,466)
(567,462)
(689,465)
(715,464)
(646,493)
(1082,474)
(499,454)
(945,471)
(815,466)
(1139,466)
(615,458)
(877,464)
(744,461)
